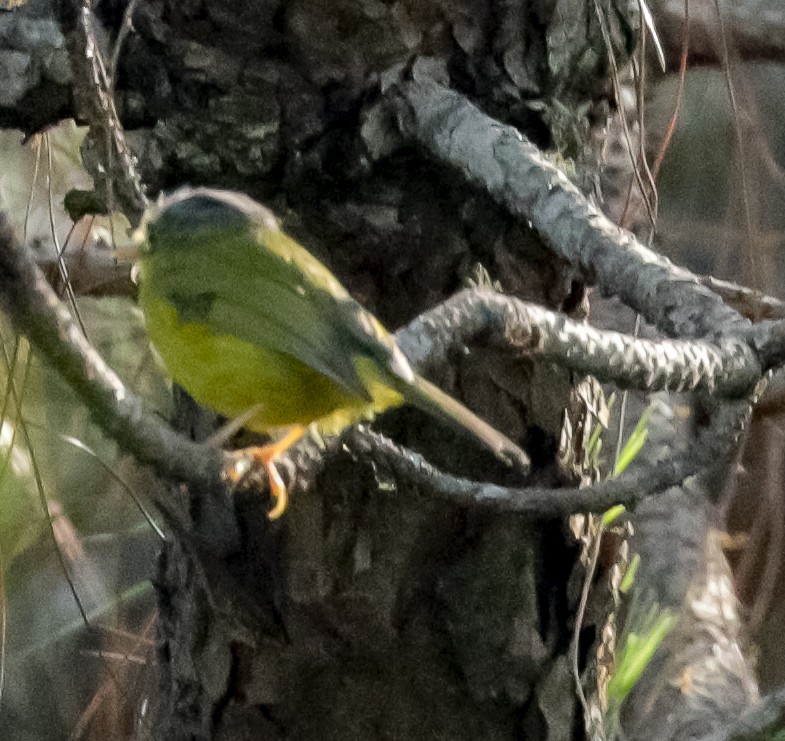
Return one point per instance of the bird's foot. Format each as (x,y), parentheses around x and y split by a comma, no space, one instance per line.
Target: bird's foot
(265,456)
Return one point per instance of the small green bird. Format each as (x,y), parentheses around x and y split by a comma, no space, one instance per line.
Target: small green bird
(251,324)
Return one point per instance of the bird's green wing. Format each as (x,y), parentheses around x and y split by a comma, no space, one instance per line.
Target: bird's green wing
(279,298)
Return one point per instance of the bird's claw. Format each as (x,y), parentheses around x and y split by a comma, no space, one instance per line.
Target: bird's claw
(242,465)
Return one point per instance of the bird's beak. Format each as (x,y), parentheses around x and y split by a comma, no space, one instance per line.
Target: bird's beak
(126,254)
(131,252)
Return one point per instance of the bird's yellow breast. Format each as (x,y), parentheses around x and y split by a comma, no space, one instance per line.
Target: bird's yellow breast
(232,376)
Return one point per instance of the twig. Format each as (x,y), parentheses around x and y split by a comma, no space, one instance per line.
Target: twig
(726,368)
(749,302)
(740,149)
(685,46)
(125,28)
(646,194)
(95,100)
(541,502)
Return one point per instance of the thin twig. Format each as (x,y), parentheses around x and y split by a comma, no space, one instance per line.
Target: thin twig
(575,644)
(59,250)
(685,45)
(539,502)
(125,28)
(645,194)
(39,485)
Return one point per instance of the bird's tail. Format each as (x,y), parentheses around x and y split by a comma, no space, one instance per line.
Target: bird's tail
(424,395)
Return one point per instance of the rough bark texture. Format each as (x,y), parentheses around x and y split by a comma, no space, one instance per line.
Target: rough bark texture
(369,612)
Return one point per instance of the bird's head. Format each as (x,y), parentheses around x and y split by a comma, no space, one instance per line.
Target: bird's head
(191,216)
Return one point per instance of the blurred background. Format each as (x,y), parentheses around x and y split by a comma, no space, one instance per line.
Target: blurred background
(77,545)
(722,212)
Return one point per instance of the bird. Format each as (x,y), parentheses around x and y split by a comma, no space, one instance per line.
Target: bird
(253,326)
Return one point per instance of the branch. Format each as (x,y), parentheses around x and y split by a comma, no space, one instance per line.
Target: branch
(92,272)
(757,28)
(728,367)
(663,466)
(517,175)
(36,311)
(411,467)
(762,721)
(768,341)
(749,302)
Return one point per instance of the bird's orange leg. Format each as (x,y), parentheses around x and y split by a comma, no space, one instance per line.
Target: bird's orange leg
(266,455)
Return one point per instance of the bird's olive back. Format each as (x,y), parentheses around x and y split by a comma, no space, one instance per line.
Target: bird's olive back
(184,222)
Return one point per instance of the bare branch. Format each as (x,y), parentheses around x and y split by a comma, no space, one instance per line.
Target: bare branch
(94,96)
(541,502)
(768,340)
(36,311)
(750,303)
(762,721)
(756,26)
(727,368)
(521,178)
